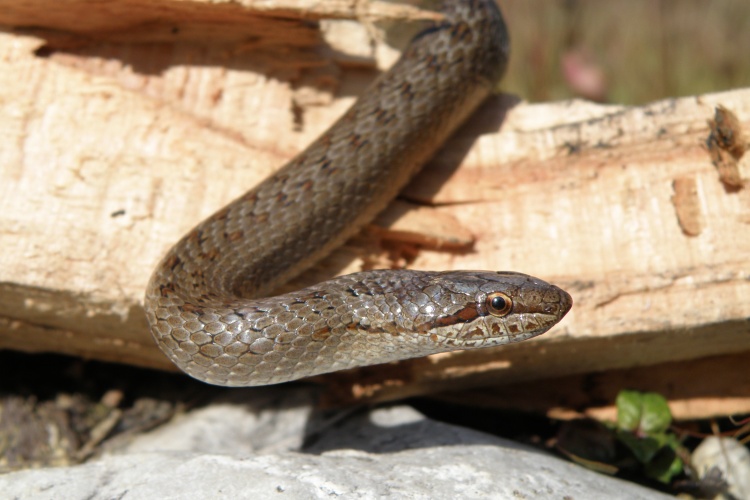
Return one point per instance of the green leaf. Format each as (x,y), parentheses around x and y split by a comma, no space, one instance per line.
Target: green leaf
(643,448)
(628,410)
(643,419)
(643,412)
(656,416)
(664,466)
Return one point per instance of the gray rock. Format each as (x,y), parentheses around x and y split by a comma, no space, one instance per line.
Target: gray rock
(238,450)
(728,456)
(258,420)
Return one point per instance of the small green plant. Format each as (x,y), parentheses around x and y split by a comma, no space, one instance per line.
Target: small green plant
(643,420)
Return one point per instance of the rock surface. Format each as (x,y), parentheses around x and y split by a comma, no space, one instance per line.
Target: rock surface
(726,458)
(254,449)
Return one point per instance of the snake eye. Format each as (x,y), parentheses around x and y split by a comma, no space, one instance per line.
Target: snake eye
(499,304)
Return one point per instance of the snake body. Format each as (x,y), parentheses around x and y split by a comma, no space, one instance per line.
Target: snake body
(206,301)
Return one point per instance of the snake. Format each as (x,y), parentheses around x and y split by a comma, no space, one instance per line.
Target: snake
(209,302)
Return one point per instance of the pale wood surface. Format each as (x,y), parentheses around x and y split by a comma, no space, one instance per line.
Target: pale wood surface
(112,150)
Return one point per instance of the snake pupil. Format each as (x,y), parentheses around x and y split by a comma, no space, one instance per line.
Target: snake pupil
(498,303)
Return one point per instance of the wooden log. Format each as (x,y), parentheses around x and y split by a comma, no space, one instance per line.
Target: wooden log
(703,388)
(114,147)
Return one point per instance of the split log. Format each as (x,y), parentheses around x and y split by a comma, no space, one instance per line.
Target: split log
(121,132)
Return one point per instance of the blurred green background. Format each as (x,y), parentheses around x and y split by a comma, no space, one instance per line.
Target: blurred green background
(626,51)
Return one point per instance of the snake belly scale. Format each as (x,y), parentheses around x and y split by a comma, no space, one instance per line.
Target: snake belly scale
(207,301)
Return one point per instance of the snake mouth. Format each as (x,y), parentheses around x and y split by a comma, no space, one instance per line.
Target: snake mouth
(566,302)
(488,331)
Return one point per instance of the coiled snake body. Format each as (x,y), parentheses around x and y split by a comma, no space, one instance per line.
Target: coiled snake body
(202,301)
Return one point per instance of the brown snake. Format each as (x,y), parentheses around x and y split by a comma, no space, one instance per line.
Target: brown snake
(203,300)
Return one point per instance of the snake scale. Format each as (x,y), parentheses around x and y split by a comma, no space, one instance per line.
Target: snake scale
(207,301)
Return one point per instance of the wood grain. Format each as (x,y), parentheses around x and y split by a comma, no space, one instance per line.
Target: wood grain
(102,135)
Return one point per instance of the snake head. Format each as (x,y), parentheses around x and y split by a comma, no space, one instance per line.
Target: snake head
(474,309)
